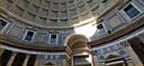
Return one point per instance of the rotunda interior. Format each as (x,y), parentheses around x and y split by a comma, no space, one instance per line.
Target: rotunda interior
(72,33)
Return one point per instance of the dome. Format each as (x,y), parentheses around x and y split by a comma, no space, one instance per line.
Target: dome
(54,13)
(71,33)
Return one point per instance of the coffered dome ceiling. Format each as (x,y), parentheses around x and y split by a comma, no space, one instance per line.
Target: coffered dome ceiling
(54,13)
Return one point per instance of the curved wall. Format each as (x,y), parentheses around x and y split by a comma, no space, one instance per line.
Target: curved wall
(118,34)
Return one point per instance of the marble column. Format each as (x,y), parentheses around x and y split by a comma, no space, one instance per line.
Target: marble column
(36,62)
(10,61)
(26,60)
(1,51)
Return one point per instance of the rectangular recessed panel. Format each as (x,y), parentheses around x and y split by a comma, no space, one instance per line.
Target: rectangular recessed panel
(53,39)
(115,22)
(2,24)
(29,35)
(15,31)
(41,37)
(131,11)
